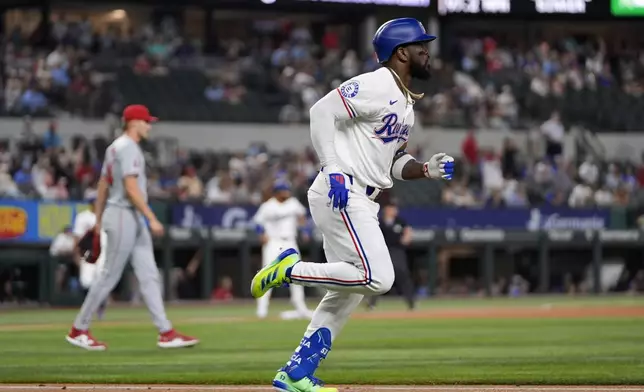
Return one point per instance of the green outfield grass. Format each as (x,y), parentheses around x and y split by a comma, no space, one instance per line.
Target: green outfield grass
(237,349)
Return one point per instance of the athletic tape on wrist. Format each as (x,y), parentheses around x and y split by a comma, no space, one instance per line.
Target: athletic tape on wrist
(399,164)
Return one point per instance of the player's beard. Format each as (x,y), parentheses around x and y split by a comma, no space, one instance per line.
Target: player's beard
(420,71)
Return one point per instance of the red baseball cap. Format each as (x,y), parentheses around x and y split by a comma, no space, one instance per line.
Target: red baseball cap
(138,112)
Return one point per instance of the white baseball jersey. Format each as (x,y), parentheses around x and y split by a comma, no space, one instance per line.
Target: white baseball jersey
(123,158)
(83,223)
(377,121)
(280,220)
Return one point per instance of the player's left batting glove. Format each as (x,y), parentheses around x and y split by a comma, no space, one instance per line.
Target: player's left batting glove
(439,166)
(338,189)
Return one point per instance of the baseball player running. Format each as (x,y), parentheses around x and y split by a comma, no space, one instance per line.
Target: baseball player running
(360,132)
(277,221)
(84,223)
(121,210)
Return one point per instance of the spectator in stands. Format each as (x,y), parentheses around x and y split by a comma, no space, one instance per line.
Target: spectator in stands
(90,186)
(5,154)
(12,94)
(350,65)
(622,195)
(562,175)
(515,194)
(78,96)
(491,172)
(223,292)
(83,171)
(51,139)
(470,149)
(8,187)
(60,76)
(628,177)
(457,194)
(215,91)
(509,159)
(581,196)
(142,66)
(219,189)
(613,176)
(507,108)
(603,197)
(189,184)
(589,171)
(640,172)
(58,58)
(495,200)
(155,188)
(33,100)
(553,132)
(158,50)
(22,176)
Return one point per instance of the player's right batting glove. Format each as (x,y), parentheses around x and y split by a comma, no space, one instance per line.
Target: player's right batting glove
(338,190)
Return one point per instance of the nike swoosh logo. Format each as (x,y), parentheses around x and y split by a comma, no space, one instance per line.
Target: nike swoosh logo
(393,102)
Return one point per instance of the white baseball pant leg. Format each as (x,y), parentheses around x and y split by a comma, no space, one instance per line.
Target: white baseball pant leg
(270,251)
(358,261)
(87,272)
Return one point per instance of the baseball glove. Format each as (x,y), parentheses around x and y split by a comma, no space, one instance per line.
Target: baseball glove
(90,246)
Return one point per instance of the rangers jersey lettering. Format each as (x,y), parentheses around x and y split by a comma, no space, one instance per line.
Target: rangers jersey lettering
(377,121)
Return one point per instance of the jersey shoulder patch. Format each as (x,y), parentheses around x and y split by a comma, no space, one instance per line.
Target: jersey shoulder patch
(350,89)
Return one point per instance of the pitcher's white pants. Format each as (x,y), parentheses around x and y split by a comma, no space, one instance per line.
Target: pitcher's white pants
(270,251)
(87,272)
(358,261)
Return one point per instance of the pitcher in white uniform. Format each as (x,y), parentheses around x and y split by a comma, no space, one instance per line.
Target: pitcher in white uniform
(360,132)
(277,221)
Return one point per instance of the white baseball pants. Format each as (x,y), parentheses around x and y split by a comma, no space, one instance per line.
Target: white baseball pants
(87,272)
(270,250)
(358,261)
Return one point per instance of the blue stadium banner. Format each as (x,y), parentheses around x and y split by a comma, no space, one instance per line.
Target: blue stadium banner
(32,221)
(227,217)
(545,218)
(239,216)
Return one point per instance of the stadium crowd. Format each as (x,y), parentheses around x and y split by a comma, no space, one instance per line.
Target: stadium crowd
(478,83)
(66,80)
(40,166)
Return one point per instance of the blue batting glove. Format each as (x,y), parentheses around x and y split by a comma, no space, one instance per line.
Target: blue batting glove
(448,170)
(339,190)
(440,166)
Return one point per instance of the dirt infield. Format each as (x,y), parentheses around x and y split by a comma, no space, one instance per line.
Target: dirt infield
(545,310)
(344,388)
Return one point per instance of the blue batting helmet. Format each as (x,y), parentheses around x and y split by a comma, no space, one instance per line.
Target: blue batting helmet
(397,32)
